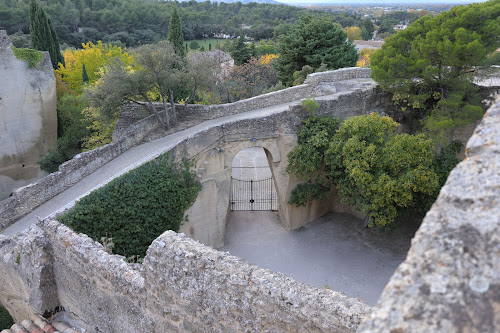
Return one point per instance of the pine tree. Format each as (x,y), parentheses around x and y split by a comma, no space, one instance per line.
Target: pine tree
(85,76)
(43,35)
(239,51)
(175,34)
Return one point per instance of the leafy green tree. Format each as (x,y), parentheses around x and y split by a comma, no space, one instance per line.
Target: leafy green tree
(194,45)
(367,29)
(42,34)
(429,66)
(240,51)
(85,76)
(175,33)
(313,41)
(371,167)
(161,72)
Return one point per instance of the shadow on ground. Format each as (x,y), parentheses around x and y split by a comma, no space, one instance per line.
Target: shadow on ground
(335,251)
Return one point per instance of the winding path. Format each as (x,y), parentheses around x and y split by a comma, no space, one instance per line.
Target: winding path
(127,161)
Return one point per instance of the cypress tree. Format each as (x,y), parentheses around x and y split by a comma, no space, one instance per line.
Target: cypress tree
(85,76)
(43,35)
(175,33)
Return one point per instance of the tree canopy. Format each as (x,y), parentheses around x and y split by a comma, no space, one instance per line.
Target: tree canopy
(175,34)
(42,34)
(313,41)
(162,75)
(374,169)
(429,66)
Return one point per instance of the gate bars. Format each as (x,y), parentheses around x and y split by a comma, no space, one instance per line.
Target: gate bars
(253,194)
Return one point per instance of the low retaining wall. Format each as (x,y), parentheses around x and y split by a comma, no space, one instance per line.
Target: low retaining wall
(182,286)
(450,281)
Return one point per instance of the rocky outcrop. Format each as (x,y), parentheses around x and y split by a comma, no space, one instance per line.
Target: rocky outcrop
(28,118)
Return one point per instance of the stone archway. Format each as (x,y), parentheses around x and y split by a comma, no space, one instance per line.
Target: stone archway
(252,183)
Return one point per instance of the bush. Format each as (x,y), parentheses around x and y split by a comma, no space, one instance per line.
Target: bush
(6,320)
(137,207)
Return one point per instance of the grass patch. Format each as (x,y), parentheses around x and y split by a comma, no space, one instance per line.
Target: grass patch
(205,43)
(137,207)
(32,57)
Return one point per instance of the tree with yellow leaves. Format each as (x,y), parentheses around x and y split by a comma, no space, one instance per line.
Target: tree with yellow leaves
(353,33)
(364,57)
(94,56)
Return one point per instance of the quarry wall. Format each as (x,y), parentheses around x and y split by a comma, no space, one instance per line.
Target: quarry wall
(28,117)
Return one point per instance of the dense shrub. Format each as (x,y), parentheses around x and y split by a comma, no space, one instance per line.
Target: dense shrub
(6,320)
(137,207)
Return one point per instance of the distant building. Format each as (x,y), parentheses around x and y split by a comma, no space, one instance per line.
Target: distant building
(399,27)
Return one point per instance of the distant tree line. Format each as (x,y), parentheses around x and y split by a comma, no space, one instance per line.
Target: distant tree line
(135,22)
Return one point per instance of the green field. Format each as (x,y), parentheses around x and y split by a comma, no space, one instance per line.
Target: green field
(206,41)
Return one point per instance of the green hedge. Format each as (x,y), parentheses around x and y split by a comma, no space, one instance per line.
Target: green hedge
(6,320)
(137,207)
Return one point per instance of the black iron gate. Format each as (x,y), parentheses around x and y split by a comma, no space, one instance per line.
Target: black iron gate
(253,194)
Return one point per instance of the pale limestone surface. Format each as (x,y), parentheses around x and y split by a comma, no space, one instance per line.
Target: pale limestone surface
(28,118)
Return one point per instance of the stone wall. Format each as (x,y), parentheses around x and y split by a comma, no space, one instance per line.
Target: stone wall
(317,84)
(26,198)
(450,281)
(28,118)
(182,286)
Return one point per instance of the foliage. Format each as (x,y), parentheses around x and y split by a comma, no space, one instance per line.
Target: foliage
(247,80)
(32,57)
(139,22)
(160,72)
(372,167)
(101,128)
(428,67)
(85,76)
(137,207)
(72,130)
(300,76)
(364,57)
(6,320)
(367,29)
(94,57)
(310,106)
(175,34)
(353,33)
(194,45)
(42,34)
(313,41)
(267,59)
(240,52)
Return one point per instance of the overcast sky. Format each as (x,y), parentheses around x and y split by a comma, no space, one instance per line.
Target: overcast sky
(354,2)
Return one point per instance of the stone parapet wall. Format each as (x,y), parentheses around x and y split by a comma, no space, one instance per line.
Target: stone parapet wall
(26,198)
(182,286)
(450,281)
(338,75)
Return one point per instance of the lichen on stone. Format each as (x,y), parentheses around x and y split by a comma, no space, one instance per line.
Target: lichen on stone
(32,57)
